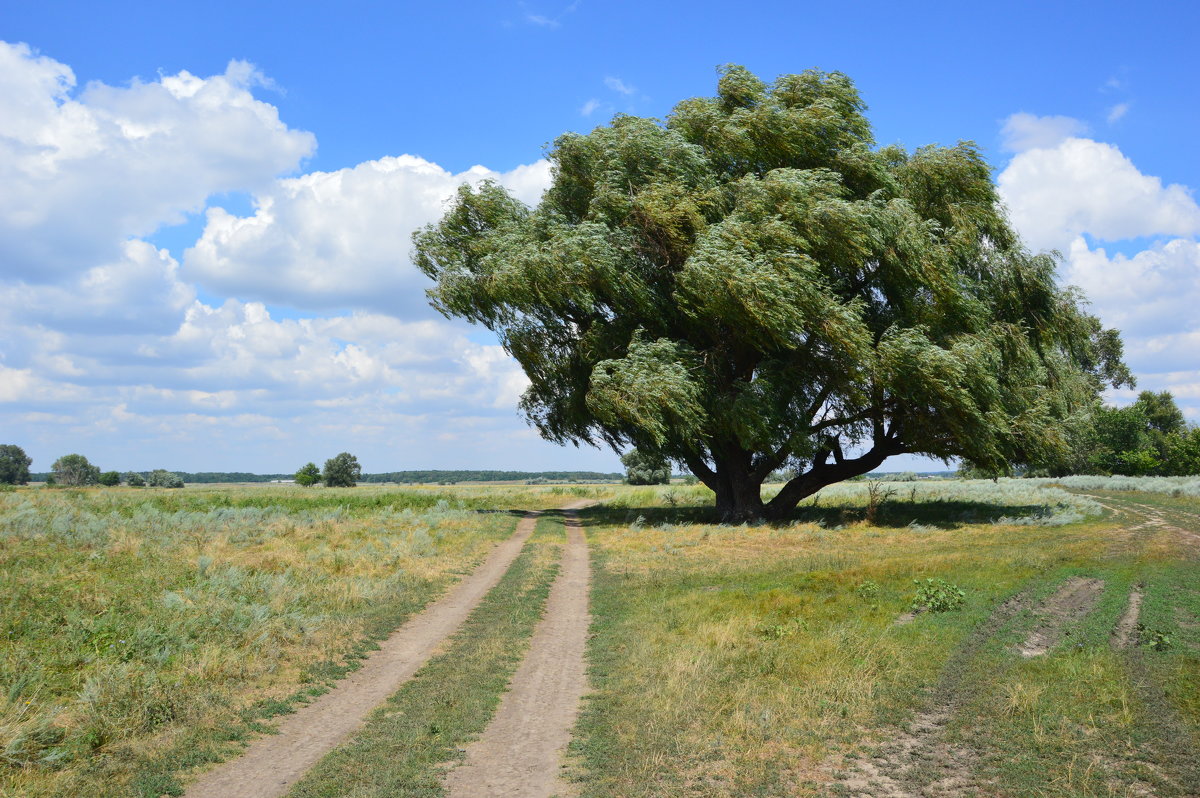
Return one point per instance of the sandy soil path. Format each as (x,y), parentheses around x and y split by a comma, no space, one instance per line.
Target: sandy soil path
(271,765)
(520,752)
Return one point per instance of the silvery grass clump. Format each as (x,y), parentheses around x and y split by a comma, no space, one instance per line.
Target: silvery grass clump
(1053,505)
(1172,486)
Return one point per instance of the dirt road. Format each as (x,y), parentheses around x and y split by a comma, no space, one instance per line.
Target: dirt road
(271,765)
(520,752)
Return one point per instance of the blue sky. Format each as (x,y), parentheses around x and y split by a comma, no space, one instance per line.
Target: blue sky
(182,179)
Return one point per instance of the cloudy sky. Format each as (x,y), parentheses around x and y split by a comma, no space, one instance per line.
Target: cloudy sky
(205,211)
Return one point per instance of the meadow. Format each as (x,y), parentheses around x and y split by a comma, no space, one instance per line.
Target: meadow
(145,633)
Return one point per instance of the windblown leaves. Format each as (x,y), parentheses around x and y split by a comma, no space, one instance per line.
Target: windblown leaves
(754,282)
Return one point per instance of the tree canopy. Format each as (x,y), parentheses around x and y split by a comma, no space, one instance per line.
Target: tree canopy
(14,465)
(1147,438)
(755,285)
(646,468)
(308,475)
(342,471)
(74,470)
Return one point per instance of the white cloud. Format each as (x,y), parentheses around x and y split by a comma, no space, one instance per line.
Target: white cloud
(1155,292)
(83,172)
(619,86)
(1083,186)
(589,107)
(340,239)
(1117,112)
(137,293)
(1024,131)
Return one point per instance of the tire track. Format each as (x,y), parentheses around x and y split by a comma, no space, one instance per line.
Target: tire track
(271,765)
(520,752)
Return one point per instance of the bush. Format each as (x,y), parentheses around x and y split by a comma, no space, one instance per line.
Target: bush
(134,480)
(161,478)
(342,471)
(308,475)
(14,465)
(74,470)
(937,595)
(109,478)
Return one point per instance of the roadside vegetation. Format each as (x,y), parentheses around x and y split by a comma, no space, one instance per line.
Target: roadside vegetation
(788,659)
(144,632)
(450,701)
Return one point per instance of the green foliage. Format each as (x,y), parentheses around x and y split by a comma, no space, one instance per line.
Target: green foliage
(161,478)
(109,478)
(645,468)
(868,590)
(14,465)
(753,285)
(74,470)
(134,480)
(308,475)
(937,595)
(1147,438)
(342,471)
(1154,639)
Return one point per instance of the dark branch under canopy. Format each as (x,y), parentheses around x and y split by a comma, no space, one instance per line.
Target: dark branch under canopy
(755,284)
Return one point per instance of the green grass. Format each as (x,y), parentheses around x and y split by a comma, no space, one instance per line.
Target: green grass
(730,661)
(406,744)
(145,632)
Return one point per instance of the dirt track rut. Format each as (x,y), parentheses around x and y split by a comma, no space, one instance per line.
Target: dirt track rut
(271,765)
(520,752)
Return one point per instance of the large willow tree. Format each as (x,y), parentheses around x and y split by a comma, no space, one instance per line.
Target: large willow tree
(755,285)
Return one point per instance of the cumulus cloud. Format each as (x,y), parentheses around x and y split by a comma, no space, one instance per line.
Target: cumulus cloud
(1083,186)
(1024,131)
(84,171)
(1152,293)
(340,239)
(139,292)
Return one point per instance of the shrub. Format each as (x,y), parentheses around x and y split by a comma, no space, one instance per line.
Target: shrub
(74,470)
(342,471)
(308,475)
(161,478)
(14,465)
(134,480)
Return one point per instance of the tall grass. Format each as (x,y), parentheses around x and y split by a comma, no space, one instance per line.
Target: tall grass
(136,625)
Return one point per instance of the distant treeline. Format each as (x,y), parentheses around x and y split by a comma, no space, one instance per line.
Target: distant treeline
(491,476)
(428,477)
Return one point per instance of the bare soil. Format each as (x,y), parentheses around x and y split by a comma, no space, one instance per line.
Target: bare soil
(520,752)
(271,765)
(1070,603)
(1125,634)
(918,761)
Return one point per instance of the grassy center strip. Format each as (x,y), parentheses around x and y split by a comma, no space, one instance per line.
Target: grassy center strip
(407,744)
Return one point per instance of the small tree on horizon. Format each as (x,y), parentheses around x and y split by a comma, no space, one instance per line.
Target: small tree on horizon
(342,471)
(74,470)
(109,479)
(646,468)
(308,475)
(162,478)
(135,480)
(14,465)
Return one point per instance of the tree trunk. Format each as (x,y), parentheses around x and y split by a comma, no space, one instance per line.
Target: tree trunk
(739,497)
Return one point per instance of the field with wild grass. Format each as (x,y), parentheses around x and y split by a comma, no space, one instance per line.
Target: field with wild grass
(145,633)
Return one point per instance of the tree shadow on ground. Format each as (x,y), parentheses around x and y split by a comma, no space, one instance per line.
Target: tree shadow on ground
(890,514)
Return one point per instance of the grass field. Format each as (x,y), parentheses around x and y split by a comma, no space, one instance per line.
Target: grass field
(146,632)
